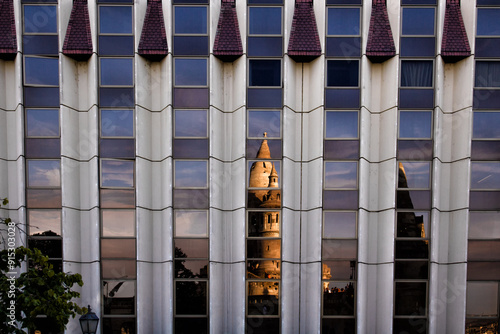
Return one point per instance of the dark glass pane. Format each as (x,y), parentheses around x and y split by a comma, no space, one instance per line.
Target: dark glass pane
(118,269)
(49,247)
(482,299)
(264,249)
(483,250)
(118,325)
(338,298)
(473,326)
(117,123)
(414,149)
(191,198)
(117,148)
(413,225)
(418,47)
(264,269)
(191,46)
(119,297)
(190,148)
(191,248)
(116,97)
(253,146)
(43,198)
(484,225)
(412,249)
(418,21)
(485,175)
(115,19)
(344,326)
(416,73)
(262,325)
(46,45)
(484,200)
(341,174)
(416,98)
(264,224)
(117,71)
(264,98)
(411,270)
(191,174)
(44,173)
(339,249)
(41,96)
(487,47)
(190,20)
(487,74)
(116,45)
(116,173)
(263,298)
(190,72)
(264,20)
(44,222)
(343,47)
(485,125)
(118,223)
(191,269)
(415,199)
(191,325)
(117,198)
(340,199)
(191,97)
(487,2)
(265,46)
(189,1)
(264,2)
(342,98)
(488,22)
(410,325)
(45,325)
(483,271)
(42,122)
(486,98)
(414,174)
(335,270)
(264,72)
(43,148)
(40,19)
(264,123)
(485,150)
(339,224)
(410,298)
(41,71)
(190,297)
(341,124)
(118,248)
(343,2)
(343,21)
(342,73)
(415,124)
(418,2)
(341,149)
(191,123)
(191,223)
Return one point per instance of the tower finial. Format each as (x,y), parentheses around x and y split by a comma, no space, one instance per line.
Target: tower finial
(265,134)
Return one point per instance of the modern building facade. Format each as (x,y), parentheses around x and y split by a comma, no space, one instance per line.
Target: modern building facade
(260,166)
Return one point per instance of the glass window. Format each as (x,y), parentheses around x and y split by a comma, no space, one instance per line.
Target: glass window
(339,249)
(117,123)
(118,248)
(339,299)
(415,124)
(115,19)
(264,121)
(119,297)
(117,173)
(488,22)
(191,174)
(343,21)
(418,21)
(191,123)
(414,175)
(482,299)
(190,20)
(484,225)
(42,122)
(342,73)
(259,173)
(264,21)
(44,173)
(339,224)
(117,71)
(190,72)
(416,73)
(341,124)
(44,222)
(485,175)
(264,72)
(40,19)
(410,298)
(192,297)
(341,174)
(41,71)
(487,74)
(191,223)
(412,224)
(485,125)
(118,223)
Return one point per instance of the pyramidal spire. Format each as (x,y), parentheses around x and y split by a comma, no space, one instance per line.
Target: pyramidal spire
(264,151)
(8,40)
(304,45)
(153,43)
(455,44)
(78,41)
(380,46)
(227,44)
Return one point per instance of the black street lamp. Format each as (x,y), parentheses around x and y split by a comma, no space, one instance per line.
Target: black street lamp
(89,322)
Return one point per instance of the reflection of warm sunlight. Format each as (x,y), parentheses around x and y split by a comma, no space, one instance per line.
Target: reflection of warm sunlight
(191,223)
(118,223)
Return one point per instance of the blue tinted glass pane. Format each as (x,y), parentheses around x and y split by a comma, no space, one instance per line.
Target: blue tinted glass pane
(190,72)
(418,21)
(341,124)
(42,122)
(260,122)
(341,175)
(264,21)
(487,74)
(414,175)
(40,19)
(44,173)
(117,123)
(191,20)
(342,73)
(189,174)
(115,173)
(117,71)
(488,22)
(343,21)
(265,97)
(41,71)
(115,19)
(415,124)
(416,73)
(191,123)
(264,73)
(485,175)
(486,125)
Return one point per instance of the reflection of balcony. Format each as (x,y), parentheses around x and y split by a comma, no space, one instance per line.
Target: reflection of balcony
(263,269)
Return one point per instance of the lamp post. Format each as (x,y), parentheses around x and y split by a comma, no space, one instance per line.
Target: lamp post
(89,322)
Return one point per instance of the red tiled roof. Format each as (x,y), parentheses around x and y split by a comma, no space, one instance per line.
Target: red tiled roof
(227,45)
(153,44)
(78,41)
(304,44)
(380,45)
(455,45)
(8,40)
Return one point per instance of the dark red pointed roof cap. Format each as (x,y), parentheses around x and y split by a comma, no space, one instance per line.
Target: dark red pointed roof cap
(153,44)
(227,45)
(304,45)
(8,40)
(78,41)
(380,45)
(455,44)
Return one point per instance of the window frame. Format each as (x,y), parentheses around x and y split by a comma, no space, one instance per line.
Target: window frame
(325,187)
(207,180)
(418,6)
(268,87)
(134,165)
(40,85)
(264,6)
(39,4)
(207,221)
(41,136)
(331,111)
(174,71)
(264,137)
(132,85)
(28,186)
(431,130)
(174,115)
(471,171)
(100,5)
(485,8)
(327,19)
(485,60)
(347,60)
(101,136)
(190,5)
(414,59)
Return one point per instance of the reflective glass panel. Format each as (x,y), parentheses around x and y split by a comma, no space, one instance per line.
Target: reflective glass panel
(341,174)
(414,175)
(191,248)
(263,325)
(264,21)
(118,223)
(191,269)
(487,74)
(117,325)
(117,71)
(117,123)
(115,19)
(342,73)
(264,123)
(118,269)
(485,125)
(190,148)
(117,148)
(416,73)
(264,224)
(44,222)
(264,248)
(413,225)
(191,123)
(191,174)
(415,124)
(264,269)
(191,223)
(119,297)
(412,249)
(415,149)
(335,270)
(43,198)
(341,149)
(483,271)
(411,270)
(260,171)
(118,248)
(40,19)
(488,22)
(191,198)
(44,173)
(254,145)
(475,325)
(484,225)
(264,72)
(190,20)
(117,198)
(484,250)
(418,21)
(191,297)
(263,298)
(482,299)
(41,71)
(42,148)
(338,325)
(343,21)
(410,298)
(341,124)
(190,72)
(117,173)
(485,175)
(338,224)
(191,325)
(42,122)
(338,298)
(339,249)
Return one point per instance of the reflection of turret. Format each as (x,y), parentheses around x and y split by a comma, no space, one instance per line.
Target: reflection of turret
(409,224)
(403,196)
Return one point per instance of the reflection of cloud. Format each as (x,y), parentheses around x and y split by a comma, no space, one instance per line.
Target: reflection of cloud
(118,223)
(44,220)
(190,123)
(341,175)
(264,121)
(117,173)
(44,173)
(417,174)
(485,175)
(190,223)
(41,127)
(191,174)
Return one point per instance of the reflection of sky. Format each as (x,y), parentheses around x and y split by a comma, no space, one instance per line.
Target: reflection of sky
(190,72)
(190,20)
(417,174)
(343,21)
(40,19)
(482,299)
(341,124)
(117,173)
(485,175)
(44,173)
(484,225)
(117,123)
(339,249)
(486,125)
(118,269)
(191,224)
(191,123)
(42,122)
(264,20)
(41,71)
(415,124)
(341,174)
(339,225)
(117,198)
(115,20)
(191,174)
(264,121)
(118,223)
(117,71)
(44,220)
